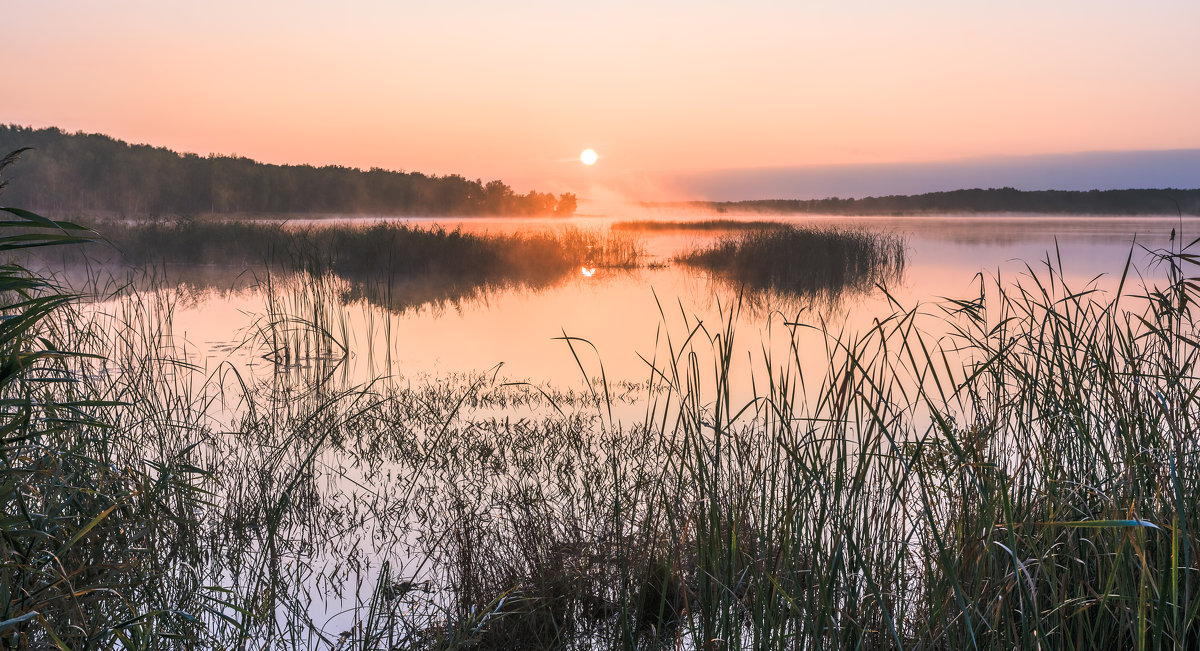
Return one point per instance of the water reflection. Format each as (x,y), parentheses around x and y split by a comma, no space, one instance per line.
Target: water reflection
(305,341)
(375,322)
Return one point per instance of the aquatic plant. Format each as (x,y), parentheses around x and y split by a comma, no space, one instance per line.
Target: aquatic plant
(392,264)
(82,528)
(803,260)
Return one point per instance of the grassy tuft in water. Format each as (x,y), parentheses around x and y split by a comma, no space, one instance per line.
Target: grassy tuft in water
(805,261)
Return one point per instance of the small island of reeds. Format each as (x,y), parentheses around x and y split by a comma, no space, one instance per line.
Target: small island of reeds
(802,260)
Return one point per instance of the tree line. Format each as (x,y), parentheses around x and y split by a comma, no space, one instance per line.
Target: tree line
(80,172)
(994,200)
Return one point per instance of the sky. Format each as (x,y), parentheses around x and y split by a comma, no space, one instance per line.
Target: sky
(677,97)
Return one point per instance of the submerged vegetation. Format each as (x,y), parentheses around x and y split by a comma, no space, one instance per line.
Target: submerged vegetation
(802,260)
(1011,470)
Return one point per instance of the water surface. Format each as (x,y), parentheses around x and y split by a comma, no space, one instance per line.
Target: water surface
(614,323)
(624,313)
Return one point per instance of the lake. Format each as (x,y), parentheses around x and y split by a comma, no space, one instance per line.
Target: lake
(411,440)
(519,330)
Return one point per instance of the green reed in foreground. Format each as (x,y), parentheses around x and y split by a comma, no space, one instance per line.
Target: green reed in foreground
(82,532)
(1018,481)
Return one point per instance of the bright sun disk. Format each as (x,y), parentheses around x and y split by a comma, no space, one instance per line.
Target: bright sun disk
(588,157)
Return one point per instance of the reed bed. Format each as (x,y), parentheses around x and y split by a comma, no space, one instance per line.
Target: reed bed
(356,249)
(1011,470)
(396,265)
(802,260)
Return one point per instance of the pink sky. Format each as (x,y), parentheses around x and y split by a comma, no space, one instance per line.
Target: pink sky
(516,90)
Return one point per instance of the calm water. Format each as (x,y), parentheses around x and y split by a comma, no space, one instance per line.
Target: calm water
(623,313)
(626,318)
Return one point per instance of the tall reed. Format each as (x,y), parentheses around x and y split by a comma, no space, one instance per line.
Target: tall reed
(1007,471)
(83,532)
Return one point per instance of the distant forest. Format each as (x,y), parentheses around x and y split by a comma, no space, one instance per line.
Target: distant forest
(80,172)
(995,200)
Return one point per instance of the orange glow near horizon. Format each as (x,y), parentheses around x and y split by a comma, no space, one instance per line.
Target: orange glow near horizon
(505,92)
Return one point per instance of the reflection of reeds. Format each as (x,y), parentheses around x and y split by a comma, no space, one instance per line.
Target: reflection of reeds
(303,322)
(805,261)
(393,264)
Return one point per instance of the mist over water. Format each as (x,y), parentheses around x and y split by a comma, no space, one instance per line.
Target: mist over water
(469,381)
(621,319)
(518,329)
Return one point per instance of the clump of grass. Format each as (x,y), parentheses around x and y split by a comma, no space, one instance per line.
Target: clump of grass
(1056,506)
(804,261)
(354,250)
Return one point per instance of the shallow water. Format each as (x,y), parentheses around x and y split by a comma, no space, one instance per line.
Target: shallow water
(625,314)
(623,321)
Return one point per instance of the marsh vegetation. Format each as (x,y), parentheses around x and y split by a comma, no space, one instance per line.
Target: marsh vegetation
(1005,470)
(392,264)
(803,260)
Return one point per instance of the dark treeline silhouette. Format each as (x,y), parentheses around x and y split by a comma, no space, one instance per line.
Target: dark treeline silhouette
(994,200)
(80,172)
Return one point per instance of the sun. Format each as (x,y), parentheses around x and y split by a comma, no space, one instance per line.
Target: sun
(588,157)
